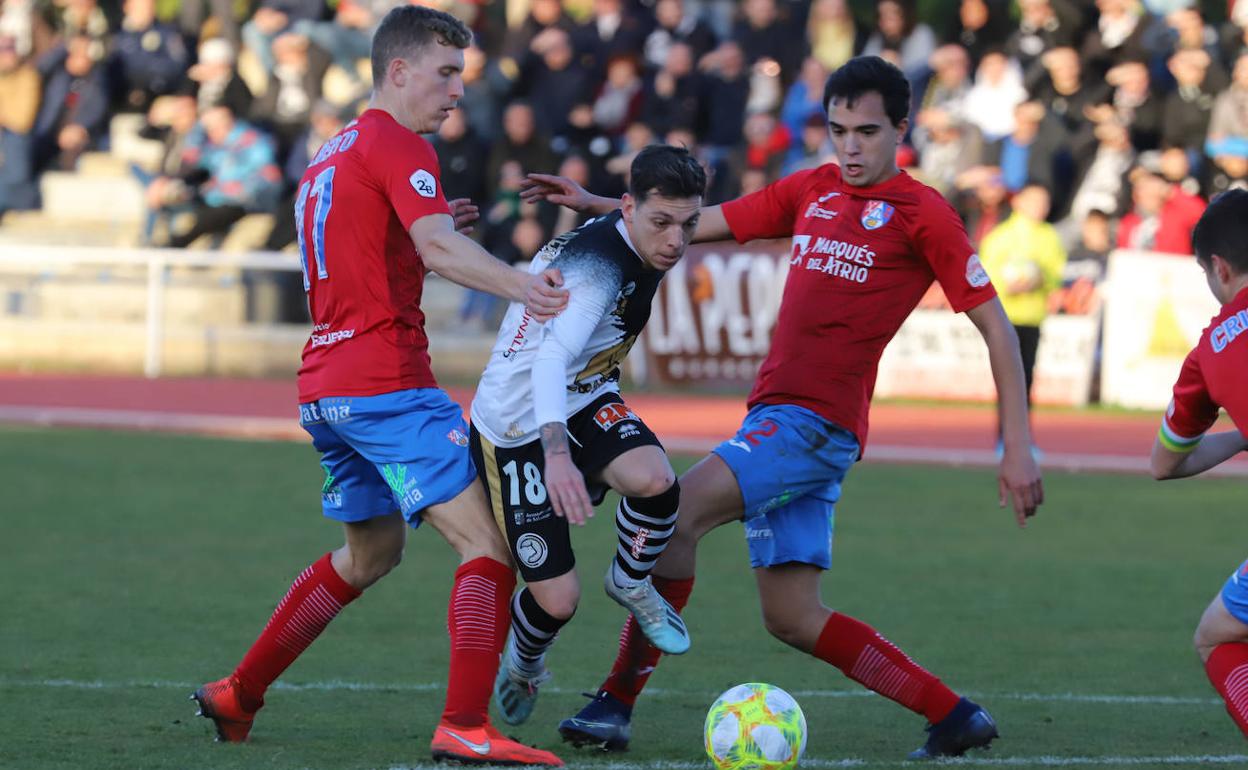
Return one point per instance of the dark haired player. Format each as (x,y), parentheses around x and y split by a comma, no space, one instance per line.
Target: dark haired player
(1213,377)
(548,417)
(868,240)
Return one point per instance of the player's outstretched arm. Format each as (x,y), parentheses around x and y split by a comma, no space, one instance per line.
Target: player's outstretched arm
(561,191)
(1213,450)
(458,258)
(1019,477)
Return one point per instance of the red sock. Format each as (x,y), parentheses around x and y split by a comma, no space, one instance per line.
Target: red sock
(637,658)
(1227,668)
(478,618)
(873,661)
(314,599)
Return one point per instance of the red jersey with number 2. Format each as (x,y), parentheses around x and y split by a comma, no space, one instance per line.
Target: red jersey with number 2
(364,278)
(861,260)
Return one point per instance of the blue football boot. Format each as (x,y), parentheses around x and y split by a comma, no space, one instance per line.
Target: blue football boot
(658,620)
(604,722)
(968,726)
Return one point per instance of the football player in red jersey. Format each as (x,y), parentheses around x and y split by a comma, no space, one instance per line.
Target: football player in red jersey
(868,240)
(1212,378)
(371,220)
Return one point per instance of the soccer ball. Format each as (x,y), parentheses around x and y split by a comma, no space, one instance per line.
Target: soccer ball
(755,726)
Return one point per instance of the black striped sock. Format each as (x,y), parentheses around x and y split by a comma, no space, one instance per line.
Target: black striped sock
(644,525)
(533,629)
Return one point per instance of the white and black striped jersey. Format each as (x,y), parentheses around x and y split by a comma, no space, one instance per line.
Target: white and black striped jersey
(540,373)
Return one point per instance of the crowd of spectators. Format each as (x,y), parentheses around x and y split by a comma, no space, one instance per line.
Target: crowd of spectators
(1130,113)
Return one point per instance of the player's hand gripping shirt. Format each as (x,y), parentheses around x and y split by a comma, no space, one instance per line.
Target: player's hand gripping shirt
(540,373)
(353,209)
(862,258)
(1213,375)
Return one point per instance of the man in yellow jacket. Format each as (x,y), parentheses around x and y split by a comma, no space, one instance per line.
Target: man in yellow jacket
(1025,259)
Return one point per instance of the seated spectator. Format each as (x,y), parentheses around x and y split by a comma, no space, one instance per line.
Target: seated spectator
(219,83)
(726,91)
(952,147)
(1062,87)
(813,148)
(462,159)
(576,168)
(553,81)
(1119,36)
(1043,25)
(521,143)
(991,101)
(271,19)
(982,201)
(1229,117)
(294,86)
(1085,268)
(675,24)
(833,34)
(1132,103)
(1099,176)
(765,34)
(805,97)
(672,99)
(980,26)
(587,140)
(234,172)
(1186,111)
(1229,167)
(17,22)
(1162,215)
(613,28)
(635,139)
(767,142)
(19,104)
(897,28)
(1035,152)
(87,19)
(169,120)
(73,117)
(945,91)
(484,89)
(543,14)
(618,104)
(149,57)
(348,38)
(1188,31)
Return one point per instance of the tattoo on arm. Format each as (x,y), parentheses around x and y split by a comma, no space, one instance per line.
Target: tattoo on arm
(554,438)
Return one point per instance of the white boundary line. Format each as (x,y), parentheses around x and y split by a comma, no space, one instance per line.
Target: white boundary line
(653,692)
(275,428)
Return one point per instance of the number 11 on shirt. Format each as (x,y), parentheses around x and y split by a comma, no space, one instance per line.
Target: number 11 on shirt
(321,188)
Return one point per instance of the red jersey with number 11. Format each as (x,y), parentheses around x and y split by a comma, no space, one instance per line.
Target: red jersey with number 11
(364,279)
(862,258)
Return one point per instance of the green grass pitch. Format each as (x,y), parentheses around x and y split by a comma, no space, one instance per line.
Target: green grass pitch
(137,566)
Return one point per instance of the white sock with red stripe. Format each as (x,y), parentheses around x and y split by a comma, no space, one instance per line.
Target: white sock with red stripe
(863,655)
(1227,668)
(478,618)
(314,599)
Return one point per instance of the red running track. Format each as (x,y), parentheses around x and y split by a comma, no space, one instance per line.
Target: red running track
(944,434)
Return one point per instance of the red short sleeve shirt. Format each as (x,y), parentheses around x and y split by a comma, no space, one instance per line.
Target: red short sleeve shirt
(364,278)
(861,260)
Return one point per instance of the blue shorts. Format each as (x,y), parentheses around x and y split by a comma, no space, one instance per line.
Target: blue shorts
(1235,593)
(403,451)
(789,463)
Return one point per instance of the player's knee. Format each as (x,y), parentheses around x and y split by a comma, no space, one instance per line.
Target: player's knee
(784,626)
(1203,642)
(650,482)
(561,606)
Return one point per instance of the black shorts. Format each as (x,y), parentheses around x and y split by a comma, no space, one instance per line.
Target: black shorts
(514,481)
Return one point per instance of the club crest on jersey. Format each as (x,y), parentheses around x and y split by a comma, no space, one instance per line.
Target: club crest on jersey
(457,437)
(424,184)
(876,214)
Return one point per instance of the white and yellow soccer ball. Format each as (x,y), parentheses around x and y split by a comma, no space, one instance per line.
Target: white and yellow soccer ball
(755,726)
